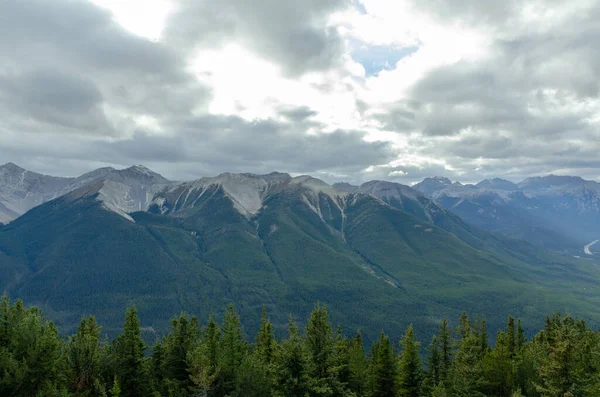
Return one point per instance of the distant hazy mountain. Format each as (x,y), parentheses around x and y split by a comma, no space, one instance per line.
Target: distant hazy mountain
(21,190)
(429,186)
(378,255)
(123,191)
(557,212)
(497,184)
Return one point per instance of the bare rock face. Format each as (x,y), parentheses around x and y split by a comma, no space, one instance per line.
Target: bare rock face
(122,191)
(21,190)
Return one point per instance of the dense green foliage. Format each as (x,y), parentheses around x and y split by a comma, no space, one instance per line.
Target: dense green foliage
(216,360)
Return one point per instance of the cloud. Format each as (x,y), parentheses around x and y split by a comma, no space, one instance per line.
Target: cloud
(294,35)
(213,144)
(389,90)
(55,98)
(81,45)
(528,103)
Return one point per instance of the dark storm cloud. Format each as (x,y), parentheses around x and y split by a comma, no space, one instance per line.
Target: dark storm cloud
(290,33)
(55,98)
(217,143)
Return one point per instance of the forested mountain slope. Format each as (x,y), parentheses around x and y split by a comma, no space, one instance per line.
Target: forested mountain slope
(284,243)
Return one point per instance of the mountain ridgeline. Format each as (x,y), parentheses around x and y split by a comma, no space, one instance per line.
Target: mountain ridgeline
(379,255)
(556,212)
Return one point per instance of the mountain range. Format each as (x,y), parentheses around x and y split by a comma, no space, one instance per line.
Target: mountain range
(378,255)
(556,212)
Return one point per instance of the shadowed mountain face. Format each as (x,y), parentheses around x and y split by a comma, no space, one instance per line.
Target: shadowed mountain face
(557,212)
(380,256)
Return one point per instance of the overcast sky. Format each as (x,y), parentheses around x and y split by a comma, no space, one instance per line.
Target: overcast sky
(343,90)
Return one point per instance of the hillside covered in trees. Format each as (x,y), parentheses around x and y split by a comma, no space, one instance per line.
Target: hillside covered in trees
(218,360)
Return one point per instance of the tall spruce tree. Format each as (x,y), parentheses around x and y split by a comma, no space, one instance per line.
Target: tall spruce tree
(319,342)
(445,349)
(511,336)
(265,339)
(498,368)
(291,366)
(324,371)
(254,376)
(466,376)
(233,349)
(383,368)
(483,337)
(84,360)
(130,347)
(434,362)
(203,361)
(464,326)
(520,336)
(411,376)
(358,366)
(183,339)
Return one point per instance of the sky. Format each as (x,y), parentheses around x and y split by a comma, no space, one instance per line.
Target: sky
(344,90)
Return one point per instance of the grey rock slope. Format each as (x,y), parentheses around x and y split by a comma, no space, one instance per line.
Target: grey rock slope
(21,190)
(122,191)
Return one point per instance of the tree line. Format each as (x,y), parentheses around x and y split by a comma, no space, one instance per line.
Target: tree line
(216,360)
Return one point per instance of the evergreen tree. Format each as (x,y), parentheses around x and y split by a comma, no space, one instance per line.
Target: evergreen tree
(511,336)
(483,337)
(183,339)
(358,366)
(291,366)
(130,348)
(341,358)
(565,369)
(445,349)
(115,390)
(383,368)
(520,336)
(321,349)
(265,339)
(466,375)
(410,378)
(434,362)
(498,368)
(439,390)
(203,361)
(253,376)
(319,342)
(157,369)
(464,326)
(84,360)
(232,350)
(31,359)
(561,360)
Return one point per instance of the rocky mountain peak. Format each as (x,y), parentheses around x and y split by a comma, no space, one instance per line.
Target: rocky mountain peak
(345,187)
(11,167)
(430,186)
(497,183)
